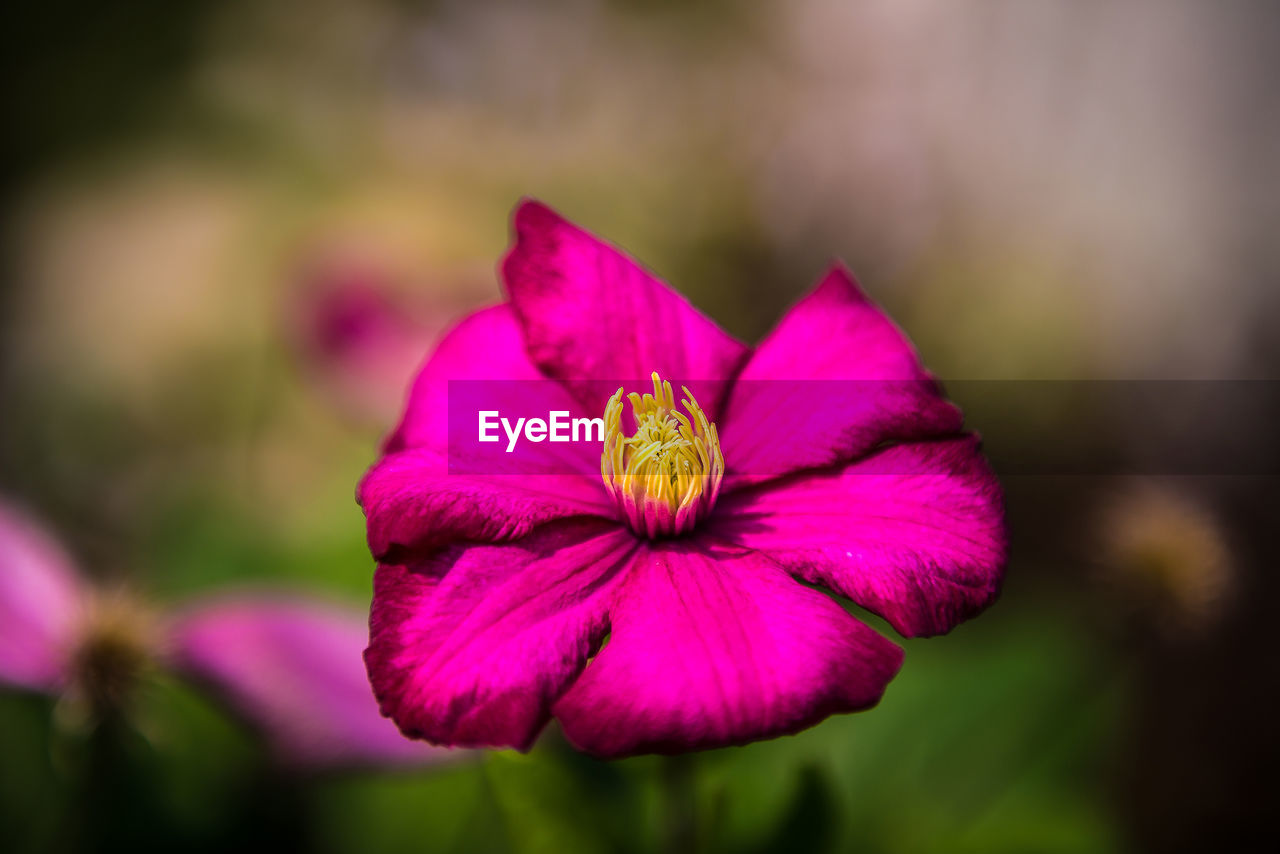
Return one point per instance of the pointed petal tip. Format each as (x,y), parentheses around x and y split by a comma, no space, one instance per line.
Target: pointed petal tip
(839,281)
(532,213)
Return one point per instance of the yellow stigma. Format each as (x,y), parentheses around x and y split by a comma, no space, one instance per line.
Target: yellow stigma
(666,475)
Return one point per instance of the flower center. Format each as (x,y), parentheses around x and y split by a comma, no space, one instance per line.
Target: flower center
(666,475)
(112,654)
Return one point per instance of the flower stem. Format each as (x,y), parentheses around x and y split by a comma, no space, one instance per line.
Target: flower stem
(679,805)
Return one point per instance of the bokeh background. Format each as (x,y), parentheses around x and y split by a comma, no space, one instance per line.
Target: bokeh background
(232,229)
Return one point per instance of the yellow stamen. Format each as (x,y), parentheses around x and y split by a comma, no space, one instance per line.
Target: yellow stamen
(667,474)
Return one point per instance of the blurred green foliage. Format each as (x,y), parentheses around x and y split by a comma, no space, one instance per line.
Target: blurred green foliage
(995,739)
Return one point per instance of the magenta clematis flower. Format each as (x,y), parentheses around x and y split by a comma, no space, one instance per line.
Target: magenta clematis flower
(289,665)
(645,591)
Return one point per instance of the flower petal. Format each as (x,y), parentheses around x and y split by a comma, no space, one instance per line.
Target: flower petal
(292,667)
(591,313)
(472,647)
(486,345)
(847,380)
(914,533)
(413,504)
(41,602)
(438,485)
(712,648)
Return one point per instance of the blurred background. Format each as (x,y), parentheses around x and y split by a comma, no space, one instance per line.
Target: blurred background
(231,230)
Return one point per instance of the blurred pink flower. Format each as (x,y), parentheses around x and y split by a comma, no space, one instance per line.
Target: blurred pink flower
(289,665)
(658,612)
(359,338)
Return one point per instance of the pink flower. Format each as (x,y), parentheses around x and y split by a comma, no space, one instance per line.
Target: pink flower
(290,666)
(358,341)
(659,611)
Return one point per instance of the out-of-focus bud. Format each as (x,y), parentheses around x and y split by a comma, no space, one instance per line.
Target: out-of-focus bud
(1163,548)
(360,336)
